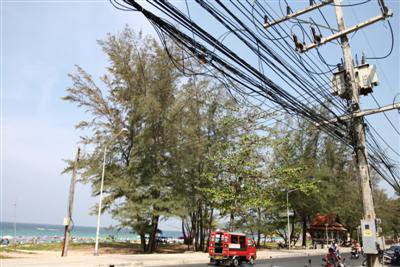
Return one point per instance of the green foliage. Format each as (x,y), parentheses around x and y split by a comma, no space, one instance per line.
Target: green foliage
(193,152)
(140,90)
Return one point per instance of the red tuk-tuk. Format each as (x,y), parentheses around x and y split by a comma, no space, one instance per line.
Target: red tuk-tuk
(231,248)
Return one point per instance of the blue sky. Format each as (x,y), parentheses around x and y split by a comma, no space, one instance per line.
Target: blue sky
(41,41)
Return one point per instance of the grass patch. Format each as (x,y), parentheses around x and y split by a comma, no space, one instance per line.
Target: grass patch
(72,246)
(269,245)
(123,248)
(13,250)
(49,246)
(5,257)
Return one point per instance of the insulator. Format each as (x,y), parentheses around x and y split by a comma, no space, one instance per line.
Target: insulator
(313,32)
(288,10)
(299,46)
(363,59)
(295,39)
(265,19)
(202,58)
(317,38)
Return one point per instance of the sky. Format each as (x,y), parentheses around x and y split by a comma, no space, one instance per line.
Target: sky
(41,41)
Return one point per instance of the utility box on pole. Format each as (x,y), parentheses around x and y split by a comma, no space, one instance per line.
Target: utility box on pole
(368,233)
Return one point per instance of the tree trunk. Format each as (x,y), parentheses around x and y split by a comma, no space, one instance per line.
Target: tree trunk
(259,226)
(143,242)
(231,220)
(293,237)
(183,230)
(209,229)
(152,240)
(292,232)
(304,243)
(185,237)
(197,232)
(201,229)
(194,230)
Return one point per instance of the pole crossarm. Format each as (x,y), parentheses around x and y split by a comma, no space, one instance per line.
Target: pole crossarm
(347,31)
(362,113)
(298,13)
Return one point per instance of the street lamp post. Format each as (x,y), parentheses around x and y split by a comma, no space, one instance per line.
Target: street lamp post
(96,247)
(288,215)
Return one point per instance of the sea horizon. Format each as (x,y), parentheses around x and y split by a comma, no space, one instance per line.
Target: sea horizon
(29,231)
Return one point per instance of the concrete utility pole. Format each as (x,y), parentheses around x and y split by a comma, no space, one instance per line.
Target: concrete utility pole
(68,220)
(368,227)
(358,128)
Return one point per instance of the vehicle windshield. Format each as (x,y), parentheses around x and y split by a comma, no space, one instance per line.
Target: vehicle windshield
(218,238)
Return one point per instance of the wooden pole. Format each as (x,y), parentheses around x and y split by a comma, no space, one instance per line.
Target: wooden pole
(68,220)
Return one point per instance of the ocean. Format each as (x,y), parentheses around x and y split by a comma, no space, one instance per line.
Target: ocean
(27,232)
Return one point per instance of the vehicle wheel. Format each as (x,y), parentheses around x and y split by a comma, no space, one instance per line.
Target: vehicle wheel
(251,261)
(214,262)
(235,262)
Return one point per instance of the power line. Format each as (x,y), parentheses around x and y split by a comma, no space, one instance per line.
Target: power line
(349,5)
(390,122)
(237,74)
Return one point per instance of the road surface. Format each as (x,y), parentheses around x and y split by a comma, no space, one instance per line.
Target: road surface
(316,261)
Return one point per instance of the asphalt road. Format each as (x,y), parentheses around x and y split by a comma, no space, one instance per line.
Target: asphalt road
(316,261)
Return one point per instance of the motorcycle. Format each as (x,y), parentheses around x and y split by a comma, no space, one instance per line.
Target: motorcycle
(333,259)
(327,264)
(354,254)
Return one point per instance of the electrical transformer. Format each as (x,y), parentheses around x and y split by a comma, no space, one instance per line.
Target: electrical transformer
(339,84)
(366,78)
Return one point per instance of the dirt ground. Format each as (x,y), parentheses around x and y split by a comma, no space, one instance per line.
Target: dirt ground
(54,250)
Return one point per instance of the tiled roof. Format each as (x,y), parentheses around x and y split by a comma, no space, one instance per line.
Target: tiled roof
(332,220)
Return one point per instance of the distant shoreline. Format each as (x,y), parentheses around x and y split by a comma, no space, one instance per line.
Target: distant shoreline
(33,232)
(83,226)
(48,224)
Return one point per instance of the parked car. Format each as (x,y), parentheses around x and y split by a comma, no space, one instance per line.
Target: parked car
(388,254)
